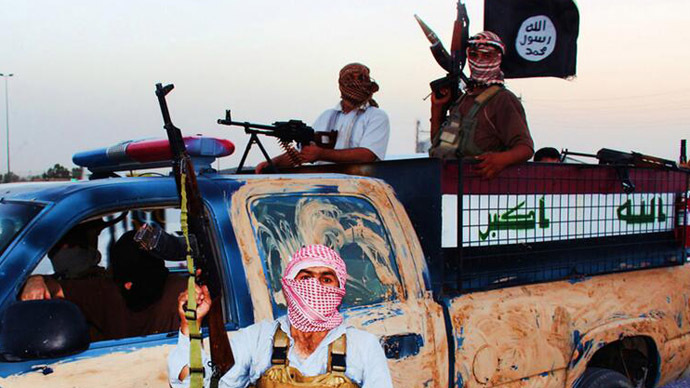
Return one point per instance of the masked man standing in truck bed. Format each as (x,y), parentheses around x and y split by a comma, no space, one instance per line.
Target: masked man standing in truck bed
(362,127)
(487,121)
(315,347)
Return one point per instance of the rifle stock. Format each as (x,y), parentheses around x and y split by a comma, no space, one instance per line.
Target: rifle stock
(200,226)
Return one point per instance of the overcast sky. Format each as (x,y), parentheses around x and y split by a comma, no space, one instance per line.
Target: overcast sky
(85,71)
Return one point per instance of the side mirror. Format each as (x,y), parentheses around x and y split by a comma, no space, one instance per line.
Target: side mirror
(42,329)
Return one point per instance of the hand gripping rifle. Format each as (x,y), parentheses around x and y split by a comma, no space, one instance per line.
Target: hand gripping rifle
(286,132)
(195,220)
(454,62)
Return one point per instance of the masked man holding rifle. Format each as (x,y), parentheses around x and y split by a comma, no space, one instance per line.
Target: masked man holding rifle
(486,122)
(362,127)
(310,347)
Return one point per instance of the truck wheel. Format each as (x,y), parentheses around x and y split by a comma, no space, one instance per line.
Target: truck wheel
(602,378)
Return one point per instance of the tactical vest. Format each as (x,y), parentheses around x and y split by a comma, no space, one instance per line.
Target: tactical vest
(455,139)
(282,375)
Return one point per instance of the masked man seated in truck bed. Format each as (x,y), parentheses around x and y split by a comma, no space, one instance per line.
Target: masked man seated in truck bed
(138,300)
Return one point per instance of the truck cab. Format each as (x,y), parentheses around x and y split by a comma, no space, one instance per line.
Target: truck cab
(257,221)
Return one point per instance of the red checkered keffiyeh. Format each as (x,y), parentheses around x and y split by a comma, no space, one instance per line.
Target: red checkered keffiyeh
(487,68)
(311,305)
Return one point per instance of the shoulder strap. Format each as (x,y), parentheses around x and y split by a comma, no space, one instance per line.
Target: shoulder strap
(337,361)
(483,98)
(281,342)
(336,351)
(332,120)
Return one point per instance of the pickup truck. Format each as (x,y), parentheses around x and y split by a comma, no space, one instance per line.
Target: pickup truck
(555,276)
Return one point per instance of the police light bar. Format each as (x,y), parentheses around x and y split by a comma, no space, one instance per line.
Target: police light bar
(137,154)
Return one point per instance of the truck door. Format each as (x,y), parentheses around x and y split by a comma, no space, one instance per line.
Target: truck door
(385,289)
(123,360)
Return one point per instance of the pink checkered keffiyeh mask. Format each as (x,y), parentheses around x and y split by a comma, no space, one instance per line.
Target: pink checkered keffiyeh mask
(311,305)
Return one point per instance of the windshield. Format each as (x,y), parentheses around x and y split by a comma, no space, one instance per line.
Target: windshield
(350,225)
(13,217)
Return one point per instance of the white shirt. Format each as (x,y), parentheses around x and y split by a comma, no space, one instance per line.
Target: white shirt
(252,348)
(366,127)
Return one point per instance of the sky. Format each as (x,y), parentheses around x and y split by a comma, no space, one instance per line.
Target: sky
(85,72)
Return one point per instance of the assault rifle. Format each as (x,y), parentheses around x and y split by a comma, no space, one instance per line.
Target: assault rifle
(454,62)
(286,132)
(623,160)
(200,227)
(611,157)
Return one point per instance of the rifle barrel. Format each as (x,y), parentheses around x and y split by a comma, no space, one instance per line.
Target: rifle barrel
(246,125)
(460,28)
(566,153)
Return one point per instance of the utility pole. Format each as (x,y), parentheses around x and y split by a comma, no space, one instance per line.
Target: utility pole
(421,145)
(7,119)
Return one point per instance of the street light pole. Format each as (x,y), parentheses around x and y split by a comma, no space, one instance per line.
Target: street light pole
(7,120)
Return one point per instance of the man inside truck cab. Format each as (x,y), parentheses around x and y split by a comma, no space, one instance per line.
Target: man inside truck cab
(487,122)
(76,255)
(138,300)
(316,347)
(360,126)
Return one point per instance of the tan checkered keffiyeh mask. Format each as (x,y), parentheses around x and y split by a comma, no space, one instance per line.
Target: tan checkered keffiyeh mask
(356,86)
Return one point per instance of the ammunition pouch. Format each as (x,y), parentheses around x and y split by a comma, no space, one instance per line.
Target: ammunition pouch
(282,375)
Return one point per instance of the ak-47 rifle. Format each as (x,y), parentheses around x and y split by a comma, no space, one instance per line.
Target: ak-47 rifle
(611,157)
(623,160)
(286,132)
(454,62)
(200,227)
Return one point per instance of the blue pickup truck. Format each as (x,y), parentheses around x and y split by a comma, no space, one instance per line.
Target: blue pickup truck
(555,276)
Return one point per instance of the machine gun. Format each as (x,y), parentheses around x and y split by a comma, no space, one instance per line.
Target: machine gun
(286,132)
(199,225)
(623,160)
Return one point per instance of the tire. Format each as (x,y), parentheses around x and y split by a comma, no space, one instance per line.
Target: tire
(602,378)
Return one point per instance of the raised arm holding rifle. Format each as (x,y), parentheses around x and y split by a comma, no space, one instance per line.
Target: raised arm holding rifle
(485,120)
(311,346)
(194,220)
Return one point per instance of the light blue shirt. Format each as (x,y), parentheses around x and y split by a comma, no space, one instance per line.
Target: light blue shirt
(366,127)
(252,348)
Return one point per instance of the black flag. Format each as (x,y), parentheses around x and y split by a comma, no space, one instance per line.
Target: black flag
(540,36)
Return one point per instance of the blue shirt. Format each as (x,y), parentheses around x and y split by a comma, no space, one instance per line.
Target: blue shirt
(252,348)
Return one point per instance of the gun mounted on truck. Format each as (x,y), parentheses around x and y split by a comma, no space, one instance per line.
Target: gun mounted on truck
(286,132)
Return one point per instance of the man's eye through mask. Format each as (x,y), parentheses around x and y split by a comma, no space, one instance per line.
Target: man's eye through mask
(483,52)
